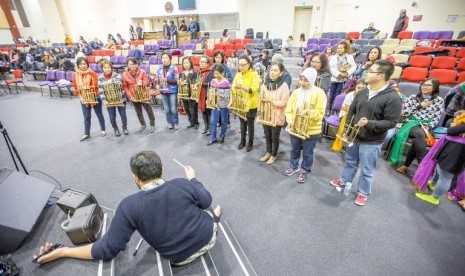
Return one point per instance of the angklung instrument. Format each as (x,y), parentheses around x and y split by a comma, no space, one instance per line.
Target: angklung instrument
(89,94)
(350,133)
(213,98)
(141,94)
(266,108)
(301,127)
(238,103)
(113,92)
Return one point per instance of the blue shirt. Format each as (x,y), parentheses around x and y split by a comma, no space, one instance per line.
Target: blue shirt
(171,218)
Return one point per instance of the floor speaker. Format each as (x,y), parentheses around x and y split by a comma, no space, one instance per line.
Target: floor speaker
(22,200)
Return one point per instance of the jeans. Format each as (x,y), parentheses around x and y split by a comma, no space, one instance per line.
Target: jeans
(86,111)
(272,139)
(390,133)
(215,116)
(148,109)
(443,183)
(170,105)
(364,156)
(173,38)
(334,90)
(191,108)
(122,114)
(308,146)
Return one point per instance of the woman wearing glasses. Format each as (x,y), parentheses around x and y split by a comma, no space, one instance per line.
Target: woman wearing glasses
(422,112)
(246,82)
(320,64)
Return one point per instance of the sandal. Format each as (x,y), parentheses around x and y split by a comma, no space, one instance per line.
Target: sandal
(402,169)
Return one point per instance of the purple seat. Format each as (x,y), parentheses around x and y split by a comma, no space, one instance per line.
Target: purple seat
(155,47)
(59,75)
(131,52)
(333,120)
(161,42)
(334,41)
(93,67)
(122,59)
(340,35)
(145,67)
(361,41)
(422,35)
(324,41)
(312,41)
(194,41)
(442,35)
(49,77)
(114,59)
(338,101)
(147,47)
(312,47)
(327,35)
(322,48)
(191,46)
(68,75)
(182,47)
(153,60)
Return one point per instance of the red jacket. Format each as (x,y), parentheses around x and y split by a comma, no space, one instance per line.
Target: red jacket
(130,82)
(93,80)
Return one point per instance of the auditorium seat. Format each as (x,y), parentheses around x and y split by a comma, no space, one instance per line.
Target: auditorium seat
(461,35)
(452,50)
(422,35)
(312,41)
(460,52)
(353,35)
(414,74)
(445,76)
(422,49)
(405,35)
(400,57)
(443,63)
(391,41)
(399,49)
(408,42)
(324,41)
(409,88)
(397,73)
(376,42)
(461,64)
(461,77)
(366,48)
(420,61)
(387,49)
(442,35)
(361,41)
(381,35)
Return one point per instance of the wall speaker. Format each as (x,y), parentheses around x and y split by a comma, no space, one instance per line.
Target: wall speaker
(85,225)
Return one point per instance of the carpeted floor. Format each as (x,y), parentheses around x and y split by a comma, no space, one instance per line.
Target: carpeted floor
(283,228)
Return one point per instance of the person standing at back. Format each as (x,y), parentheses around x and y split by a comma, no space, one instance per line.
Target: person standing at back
(374,111)
(193,29)
(139,31)
(401,23)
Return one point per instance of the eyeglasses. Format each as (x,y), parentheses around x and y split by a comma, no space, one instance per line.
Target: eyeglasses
(373,72)
(427,85)
(203,61)
(243,64)
(315,62)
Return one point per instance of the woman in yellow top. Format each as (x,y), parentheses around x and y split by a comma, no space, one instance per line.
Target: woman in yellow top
(305,110)
(247,83)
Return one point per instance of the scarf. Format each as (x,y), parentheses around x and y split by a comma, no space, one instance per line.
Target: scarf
(395,159)
(83,78)
(428,164)
(274,85)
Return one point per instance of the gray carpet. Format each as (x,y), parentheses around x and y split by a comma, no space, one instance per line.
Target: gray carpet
(283,227)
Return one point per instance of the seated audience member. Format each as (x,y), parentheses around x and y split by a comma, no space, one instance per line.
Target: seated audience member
(121,41)
(170,215)
(225,38)
(96,44)
(355,49)
(232,60)
(183,26)
(68,40)
(373,55)
(447,156)
(110,44)
(265,59)
(453,102)
(204,40)
(14,59)
(424,108)
(370,29)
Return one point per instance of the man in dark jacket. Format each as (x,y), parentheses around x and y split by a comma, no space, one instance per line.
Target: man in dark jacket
(193,27)
(374,110)
(401,23)
(169,215)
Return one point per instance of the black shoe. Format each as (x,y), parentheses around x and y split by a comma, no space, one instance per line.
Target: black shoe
(196,126)
(211,142)
(222,140)
(190,126)
(117,133)
(125,131)
(241,146)
(249,148)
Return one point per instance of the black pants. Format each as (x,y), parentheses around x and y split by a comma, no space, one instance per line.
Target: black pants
(248,126)
(191,108)
(272,139)
(334,90)
(140,115)
(418,148)
(395,34)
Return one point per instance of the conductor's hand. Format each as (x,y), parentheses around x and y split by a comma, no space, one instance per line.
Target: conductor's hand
(190,172)
(54,255)
(363,122)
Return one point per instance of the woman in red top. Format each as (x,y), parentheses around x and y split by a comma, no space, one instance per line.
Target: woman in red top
(86,78)
(206,77)
(131,78)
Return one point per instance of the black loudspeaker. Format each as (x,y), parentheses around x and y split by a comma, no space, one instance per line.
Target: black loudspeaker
(74,199)
(85,225)
(22,199)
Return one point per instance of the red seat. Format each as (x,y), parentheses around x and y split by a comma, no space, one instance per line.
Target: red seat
(443,63)
(420,61)
(353,35)
(414,74)
(461,77)
(461,52)
(196,60)
(91,59)
(109,53)
(18,78)
(445,76)
(237,41)
(228,52)
(461,64)
(452,50)
(228,46)
(422,49)
(246,41)
(179,68)
(219,46)
(209,52)
(239,46)
(405,35)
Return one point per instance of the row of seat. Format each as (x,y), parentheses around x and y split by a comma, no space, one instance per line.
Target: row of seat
(405,35)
